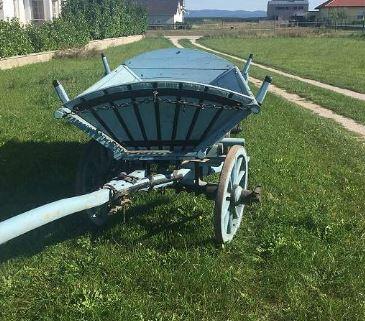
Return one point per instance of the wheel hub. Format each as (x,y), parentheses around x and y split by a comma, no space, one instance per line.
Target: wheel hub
(236,193)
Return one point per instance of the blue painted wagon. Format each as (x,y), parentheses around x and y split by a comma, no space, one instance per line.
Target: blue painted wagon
(160,120)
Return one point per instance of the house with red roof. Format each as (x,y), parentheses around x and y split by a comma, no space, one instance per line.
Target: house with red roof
(349,10)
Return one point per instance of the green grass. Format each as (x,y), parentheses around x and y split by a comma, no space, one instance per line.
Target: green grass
(338,61)
(298,256)
(340,104)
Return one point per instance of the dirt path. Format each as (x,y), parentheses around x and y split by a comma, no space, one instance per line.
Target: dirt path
(347,123)
(175,40)
(342,91)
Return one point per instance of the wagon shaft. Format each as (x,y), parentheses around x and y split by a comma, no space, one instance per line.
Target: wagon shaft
(43,215)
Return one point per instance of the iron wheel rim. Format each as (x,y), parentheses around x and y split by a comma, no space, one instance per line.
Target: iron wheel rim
(233,179)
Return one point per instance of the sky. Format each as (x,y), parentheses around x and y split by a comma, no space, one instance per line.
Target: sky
(249,5)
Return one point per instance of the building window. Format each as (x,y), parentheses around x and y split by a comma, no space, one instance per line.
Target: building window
(16,8)
(55,9)
(37,10)
(1,9)
(361,14)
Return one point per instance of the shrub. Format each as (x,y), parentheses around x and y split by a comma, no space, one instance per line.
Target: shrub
(58,34)
(13,39)
(108,18)
(81,21)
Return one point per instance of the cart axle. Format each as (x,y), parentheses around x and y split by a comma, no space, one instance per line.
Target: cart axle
(249,197)
(243,196)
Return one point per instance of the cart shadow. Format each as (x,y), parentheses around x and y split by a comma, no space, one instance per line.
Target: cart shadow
(36,173)
(180,237)
(33,174)
(162,232)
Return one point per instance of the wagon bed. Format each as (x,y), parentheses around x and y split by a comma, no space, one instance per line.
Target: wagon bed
(156,104)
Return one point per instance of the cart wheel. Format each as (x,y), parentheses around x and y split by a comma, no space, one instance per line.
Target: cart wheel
(96,167)
(233,180)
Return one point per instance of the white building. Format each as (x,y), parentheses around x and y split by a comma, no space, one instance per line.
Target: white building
(164,12)
(27,11)
(287,9)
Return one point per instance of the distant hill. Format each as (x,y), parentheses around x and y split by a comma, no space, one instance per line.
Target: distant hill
(207,13)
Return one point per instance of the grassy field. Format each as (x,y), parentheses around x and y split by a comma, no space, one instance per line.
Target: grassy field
(340,104)
(248,30)
(298,256)
(338,61)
